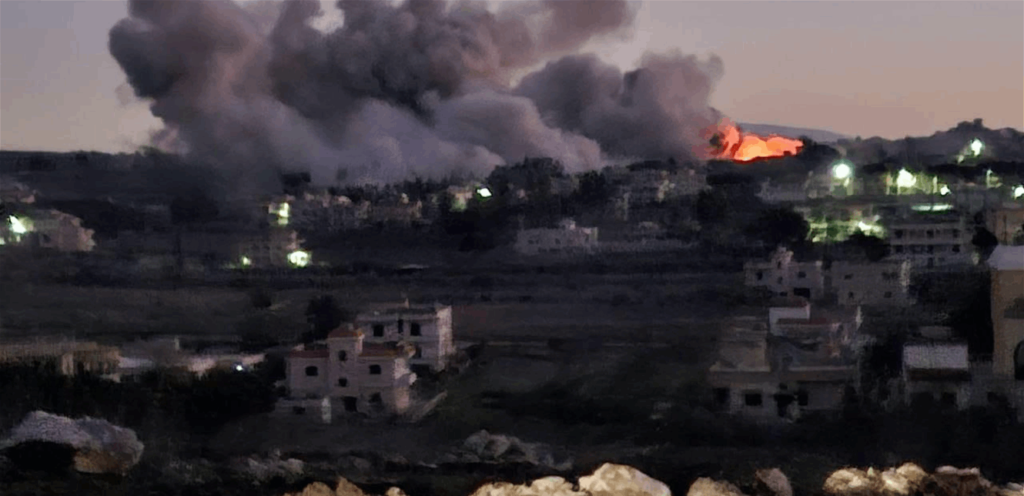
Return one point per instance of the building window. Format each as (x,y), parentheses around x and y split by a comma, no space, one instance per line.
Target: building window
(847,277)
(930,233)
(948,399)
(802,398)
(376,399)
(342,382)
(778,265)
(849,295)
(312,371)
(888,294)
(760,275)
(401,326)
(378,330)
(899,234)
(956,248)
(419,353)
(414,329)
(931,248)
(374,369)
(899,249)
(298,410)
(956,234)
(722,396)
(342,356)
(801,275)
(753,399)
(779,280)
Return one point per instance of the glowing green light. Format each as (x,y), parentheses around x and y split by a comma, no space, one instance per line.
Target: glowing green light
(17,226)
(842,170)
(1018,191)
(246,261)
(298,258)
(944,190)
(905,179)
(283,213)
(484,192)
(976,147)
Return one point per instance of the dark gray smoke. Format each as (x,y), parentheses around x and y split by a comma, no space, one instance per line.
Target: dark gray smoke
(419,88)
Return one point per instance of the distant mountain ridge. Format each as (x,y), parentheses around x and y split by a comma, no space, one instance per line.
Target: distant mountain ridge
(819,135)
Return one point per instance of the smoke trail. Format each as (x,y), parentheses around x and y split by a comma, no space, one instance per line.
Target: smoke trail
(418,88)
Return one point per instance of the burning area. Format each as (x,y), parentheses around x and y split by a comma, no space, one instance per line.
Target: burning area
(729,142)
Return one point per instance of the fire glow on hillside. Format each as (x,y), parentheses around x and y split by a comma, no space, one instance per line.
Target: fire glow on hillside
(730,142)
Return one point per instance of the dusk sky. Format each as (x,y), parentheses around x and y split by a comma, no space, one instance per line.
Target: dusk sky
(868,68)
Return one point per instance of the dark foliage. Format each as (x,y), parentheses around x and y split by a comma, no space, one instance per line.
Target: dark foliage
(779,227)
(324,314)
(984,241)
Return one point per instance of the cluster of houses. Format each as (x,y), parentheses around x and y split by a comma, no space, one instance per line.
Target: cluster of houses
(799,358)
(367,367)
(22,223)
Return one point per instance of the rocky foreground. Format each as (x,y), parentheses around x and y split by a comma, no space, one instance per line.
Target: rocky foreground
(621,480)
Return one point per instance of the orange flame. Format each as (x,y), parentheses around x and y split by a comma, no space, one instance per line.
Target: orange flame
(732,143)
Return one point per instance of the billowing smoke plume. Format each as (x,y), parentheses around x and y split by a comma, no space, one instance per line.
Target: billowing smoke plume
(420,88)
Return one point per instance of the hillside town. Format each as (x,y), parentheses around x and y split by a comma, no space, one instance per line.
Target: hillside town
(777,296)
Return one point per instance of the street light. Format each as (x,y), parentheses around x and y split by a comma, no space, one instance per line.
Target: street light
(977,146)
(905,179)
(842,170)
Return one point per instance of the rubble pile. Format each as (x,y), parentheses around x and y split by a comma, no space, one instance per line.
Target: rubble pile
(99,446)
(484,447)
(264,469)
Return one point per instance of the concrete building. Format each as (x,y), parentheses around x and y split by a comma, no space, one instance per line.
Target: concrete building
(784,276)
(357,376)
(567,239)
(66,357)
(274,247)
(46,229)
(936,370)
(1007,266)
(797,362)
(934,241)
(1006,222)
(428,329)
(885,282)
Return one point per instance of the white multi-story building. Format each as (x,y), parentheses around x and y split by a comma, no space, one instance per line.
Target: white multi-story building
(931,242)
(795,362)
(788,192)
(936,369)
(852,283)
(784,276)
(885,282)
(567,239)
(357,376)
(428,329)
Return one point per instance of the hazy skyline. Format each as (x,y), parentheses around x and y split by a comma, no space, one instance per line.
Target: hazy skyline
(863,68)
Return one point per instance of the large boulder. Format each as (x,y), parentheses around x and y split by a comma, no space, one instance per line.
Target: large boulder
(608,480)
(621,480)
(486,447)
(99,446)
(772,482)
(344,488)
(709,487)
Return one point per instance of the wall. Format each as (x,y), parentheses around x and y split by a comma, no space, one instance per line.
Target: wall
(1007,285)
(299,385)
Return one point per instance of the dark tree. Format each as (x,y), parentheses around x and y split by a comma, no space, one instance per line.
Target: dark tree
(984,241)
(324,315)
(593,189)
(874,248)
(193,208)
(712,207)
(780,226)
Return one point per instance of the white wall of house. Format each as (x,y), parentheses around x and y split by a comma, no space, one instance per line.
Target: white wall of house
(566,239)
(931,244)
(301,383)
(429,329)
(881,283)
(784,276)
